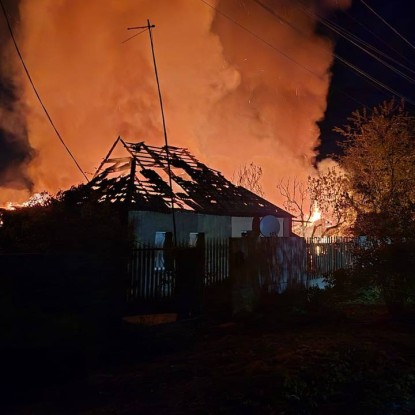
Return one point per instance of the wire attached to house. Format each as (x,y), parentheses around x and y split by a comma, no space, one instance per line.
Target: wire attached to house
(133,36)
(172,195)
(37,93)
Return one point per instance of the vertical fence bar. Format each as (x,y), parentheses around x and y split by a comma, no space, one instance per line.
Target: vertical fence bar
(222,260)
(153,274)
(215,276)
(142,274)
(326,255)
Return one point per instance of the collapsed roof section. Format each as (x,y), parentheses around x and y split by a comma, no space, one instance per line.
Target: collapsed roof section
(141,179)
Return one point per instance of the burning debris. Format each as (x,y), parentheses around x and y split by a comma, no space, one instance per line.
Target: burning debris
(38,199)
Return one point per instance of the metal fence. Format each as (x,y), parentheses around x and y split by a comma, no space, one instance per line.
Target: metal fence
(271,264)
(216,261)
(284,262)
(151,273)
(152,269)
(328,254)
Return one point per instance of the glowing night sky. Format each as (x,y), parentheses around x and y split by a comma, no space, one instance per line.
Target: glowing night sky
(242,81)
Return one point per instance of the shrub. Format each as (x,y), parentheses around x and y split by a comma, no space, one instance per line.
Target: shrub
(388,266)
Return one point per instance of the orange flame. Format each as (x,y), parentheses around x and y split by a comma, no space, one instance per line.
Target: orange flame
(38,199)
(315,215)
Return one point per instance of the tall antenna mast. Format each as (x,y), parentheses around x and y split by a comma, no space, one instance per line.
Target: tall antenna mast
(149,27)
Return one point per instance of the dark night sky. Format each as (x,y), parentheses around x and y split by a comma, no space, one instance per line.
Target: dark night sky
(358,20)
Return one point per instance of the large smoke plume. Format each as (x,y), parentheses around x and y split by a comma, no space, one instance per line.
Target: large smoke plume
(229,97)
(15,150)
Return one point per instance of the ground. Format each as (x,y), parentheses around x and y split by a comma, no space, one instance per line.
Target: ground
(358,360)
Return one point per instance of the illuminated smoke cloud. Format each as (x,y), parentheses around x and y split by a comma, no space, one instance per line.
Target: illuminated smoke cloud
(15,151)
(228,97)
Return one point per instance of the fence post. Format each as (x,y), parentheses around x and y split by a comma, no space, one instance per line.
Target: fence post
(244,274)
(190,273)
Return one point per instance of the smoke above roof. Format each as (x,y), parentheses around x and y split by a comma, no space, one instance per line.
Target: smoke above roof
(239,84)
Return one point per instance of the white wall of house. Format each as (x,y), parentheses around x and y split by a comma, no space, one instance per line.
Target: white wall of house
(146,224)
(240,225)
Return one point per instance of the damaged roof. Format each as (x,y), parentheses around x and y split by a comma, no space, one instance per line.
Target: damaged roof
(141,179)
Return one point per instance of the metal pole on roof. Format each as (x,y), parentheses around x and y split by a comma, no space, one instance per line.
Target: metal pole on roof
(149,27)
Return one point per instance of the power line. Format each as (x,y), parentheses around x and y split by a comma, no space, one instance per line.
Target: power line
(379,39)
(358,43)
(387,24)
(37,93)
(373,48)
(133,36)
(278,50)
(282,19)
(376,81)
(163,118)
(261,39)
(342,60)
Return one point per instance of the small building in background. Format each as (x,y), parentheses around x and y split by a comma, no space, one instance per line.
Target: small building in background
(136,176)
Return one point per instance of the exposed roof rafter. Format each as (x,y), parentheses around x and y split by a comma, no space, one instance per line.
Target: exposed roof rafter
(141,179)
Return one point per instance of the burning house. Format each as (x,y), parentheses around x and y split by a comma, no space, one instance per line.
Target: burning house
(149,180)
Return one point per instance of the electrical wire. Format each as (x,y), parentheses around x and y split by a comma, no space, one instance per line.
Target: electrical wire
(378,38)
(262,40)
(355,41)
(133,36)
(282,19)
(387,24)
(37,93)
(376,81)
(342,60)
(374,49)
(279,51)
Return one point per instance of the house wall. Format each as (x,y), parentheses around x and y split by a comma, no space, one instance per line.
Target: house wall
(146,224)
(286,227)
(239,225)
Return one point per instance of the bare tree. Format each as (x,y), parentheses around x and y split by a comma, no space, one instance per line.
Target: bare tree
(326,194)
(249,176)
(297,201)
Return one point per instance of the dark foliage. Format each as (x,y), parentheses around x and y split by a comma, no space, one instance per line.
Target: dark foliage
(66,224)
(379,161)
(63,286)
(389,266)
